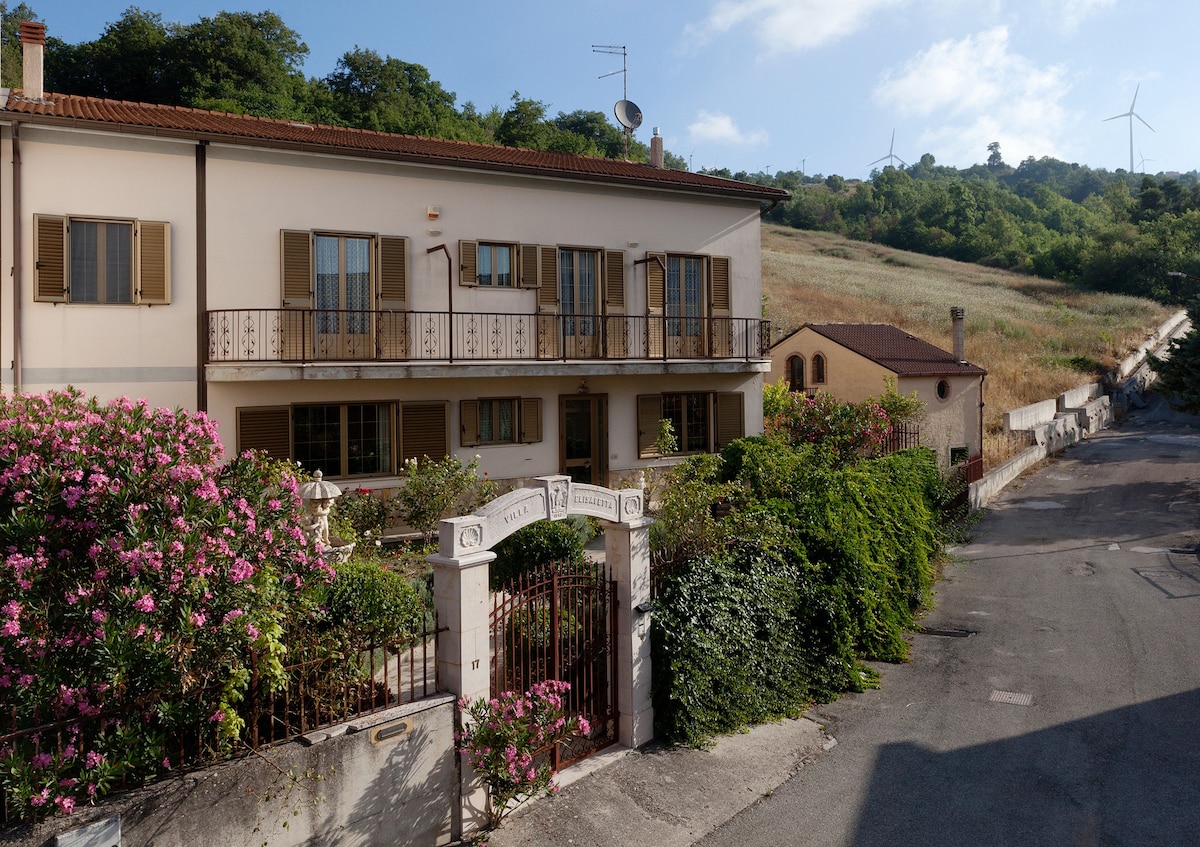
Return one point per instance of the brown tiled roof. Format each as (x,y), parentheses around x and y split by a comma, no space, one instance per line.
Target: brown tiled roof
(181,122)
(896,350)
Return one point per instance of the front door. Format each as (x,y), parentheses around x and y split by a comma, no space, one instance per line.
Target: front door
(583,443)
(343,297)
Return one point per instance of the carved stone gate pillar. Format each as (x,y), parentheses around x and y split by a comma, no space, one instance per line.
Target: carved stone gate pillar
(627,550)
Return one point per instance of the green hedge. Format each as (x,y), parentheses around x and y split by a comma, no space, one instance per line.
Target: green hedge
(819,564)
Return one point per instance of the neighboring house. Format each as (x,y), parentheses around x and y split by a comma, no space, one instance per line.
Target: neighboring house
(352,299)
(855,362)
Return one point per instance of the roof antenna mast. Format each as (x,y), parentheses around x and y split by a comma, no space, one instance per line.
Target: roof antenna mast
(627,112)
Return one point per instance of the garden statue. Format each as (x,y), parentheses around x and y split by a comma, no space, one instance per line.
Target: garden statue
(318,496)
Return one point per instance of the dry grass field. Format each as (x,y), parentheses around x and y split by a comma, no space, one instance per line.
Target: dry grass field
(1036,338)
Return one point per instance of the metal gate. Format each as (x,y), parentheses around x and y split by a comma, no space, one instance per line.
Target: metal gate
(556,622)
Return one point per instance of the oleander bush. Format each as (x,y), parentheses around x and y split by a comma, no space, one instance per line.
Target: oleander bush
(138,572)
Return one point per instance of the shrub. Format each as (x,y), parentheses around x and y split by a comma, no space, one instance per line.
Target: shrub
(138,574)
(535,545)
(436,488)
(846,431)
(373,603)
(502,739)
(745,636)
(366,514)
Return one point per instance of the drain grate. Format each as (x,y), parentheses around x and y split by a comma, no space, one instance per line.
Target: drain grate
(1012,698)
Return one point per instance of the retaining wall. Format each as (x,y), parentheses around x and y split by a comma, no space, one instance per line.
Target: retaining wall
(1077,413)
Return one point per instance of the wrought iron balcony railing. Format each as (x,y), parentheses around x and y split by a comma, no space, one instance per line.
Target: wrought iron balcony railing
(324,335)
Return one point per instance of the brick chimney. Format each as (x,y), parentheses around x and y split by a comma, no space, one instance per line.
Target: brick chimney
(656,150)
(33,42)
(957,321)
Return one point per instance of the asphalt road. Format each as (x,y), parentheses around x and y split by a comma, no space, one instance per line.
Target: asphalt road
(1070,715)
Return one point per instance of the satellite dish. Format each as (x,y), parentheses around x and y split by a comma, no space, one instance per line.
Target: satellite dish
(628,114)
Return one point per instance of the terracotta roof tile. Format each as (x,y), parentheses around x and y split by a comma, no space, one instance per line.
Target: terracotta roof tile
(896,350)
(184,122)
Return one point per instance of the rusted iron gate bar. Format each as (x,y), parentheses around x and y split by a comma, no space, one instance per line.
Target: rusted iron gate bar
(527,623)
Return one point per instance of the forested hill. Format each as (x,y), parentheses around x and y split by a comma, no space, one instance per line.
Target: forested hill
(1109,231)
(250,63)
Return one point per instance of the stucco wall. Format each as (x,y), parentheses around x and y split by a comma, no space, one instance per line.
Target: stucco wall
(351,790)
(110,350)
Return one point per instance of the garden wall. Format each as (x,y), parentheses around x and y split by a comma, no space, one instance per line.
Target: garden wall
(379,782)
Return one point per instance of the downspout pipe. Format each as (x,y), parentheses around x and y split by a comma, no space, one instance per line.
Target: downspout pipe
(18,381)
(449,291)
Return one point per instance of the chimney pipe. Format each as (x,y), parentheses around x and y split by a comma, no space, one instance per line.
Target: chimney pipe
(33,41)
(956,319)
(656,150)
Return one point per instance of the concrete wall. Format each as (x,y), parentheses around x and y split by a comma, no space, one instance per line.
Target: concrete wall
(1075,414)
(352,789)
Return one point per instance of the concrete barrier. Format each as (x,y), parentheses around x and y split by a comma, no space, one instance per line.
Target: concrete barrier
(1031,416)
(1078,413)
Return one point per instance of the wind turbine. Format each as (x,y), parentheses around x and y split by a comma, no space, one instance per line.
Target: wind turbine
(890,157)
(1131,115)
(1142,162)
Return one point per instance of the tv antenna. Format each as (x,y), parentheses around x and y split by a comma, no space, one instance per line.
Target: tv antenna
(1131,115)
(627,112)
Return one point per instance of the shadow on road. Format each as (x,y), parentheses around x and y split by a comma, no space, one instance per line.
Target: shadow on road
(1147,755)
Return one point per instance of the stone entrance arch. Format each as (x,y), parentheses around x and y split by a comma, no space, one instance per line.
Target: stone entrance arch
(460,590)
(460,587)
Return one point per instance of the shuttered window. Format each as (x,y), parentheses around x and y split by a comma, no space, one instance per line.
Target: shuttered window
(346,439)
(700,421)
(92,260)
(505,420)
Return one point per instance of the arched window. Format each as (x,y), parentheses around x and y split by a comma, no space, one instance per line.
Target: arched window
(795,373)
(818,369)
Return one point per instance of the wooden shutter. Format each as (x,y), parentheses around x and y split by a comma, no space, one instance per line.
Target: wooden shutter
(468,262)
(530,263)
(720,307)
(549,331)
(730,415)
(154,262)
(648,415)
(531,420)
(656,298)
(616,329)
(468,427)
(50,258)
(266,428)
(296,291)
(296,274)
(423,431)
(392,322)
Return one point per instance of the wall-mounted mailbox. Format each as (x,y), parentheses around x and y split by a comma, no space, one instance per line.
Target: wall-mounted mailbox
(392,731)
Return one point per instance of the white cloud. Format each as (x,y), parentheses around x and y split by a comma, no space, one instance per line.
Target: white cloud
(1070,13)
(978,92)
(718,128)
(789,26)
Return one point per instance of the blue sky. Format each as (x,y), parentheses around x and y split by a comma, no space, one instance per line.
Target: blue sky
(769,85)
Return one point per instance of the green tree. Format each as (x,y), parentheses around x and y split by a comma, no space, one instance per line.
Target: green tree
(129,61)
(1179,369)
(240,62)
(385,94)
(524,124)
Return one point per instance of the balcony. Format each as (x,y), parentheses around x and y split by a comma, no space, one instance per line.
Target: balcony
(313,336)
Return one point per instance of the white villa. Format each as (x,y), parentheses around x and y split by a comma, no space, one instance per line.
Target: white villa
(350,299)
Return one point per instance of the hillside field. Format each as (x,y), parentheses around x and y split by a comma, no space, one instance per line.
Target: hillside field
(1036,337)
